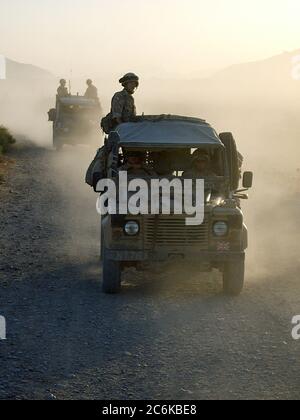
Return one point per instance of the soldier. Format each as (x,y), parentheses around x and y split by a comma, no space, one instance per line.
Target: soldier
(201,166)
(135,165)
(122,104)
(122,107)
(91,92)
(62,90)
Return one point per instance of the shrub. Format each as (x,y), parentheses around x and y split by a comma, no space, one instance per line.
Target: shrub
(6,139)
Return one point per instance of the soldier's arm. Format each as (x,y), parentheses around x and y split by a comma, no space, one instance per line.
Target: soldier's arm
(117,106)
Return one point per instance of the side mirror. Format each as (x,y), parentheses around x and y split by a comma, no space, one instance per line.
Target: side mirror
(247,180)
(52,115)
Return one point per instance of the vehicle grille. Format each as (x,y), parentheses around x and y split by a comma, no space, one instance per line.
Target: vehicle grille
(171,230)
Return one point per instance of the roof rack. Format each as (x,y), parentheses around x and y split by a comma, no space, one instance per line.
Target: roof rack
(168,117)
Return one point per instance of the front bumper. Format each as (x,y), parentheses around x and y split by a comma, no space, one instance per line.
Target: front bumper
(203,256)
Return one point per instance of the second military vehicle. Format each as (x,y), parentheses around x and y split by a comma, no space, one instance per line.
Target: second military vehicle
(75,121)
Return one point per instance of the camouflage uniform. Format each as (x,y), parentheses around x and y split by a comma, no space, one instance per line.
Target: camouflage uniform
(91,92)
(194,172)
(62,92)
(122,106)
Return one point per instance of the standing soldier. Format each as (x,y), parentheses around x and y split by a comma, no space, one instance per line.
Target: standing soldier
(91,92)
(62,90)
(122,106)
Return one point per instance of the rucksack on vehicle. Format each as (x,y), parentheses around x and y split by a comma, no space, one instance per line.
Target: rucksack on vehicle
(107,123)
(96,170)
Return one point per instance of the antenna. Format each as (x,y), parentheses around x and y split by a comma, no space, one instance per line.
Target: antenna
(70,85)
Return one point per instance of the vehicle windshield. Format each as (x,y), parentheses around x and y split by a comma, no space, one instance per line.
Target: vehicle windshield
(176,162)
(78,112)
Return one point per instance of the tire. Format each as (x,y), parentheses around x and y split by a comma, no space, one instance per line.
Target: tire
(111,277)
(57,144)
(58,147)
(101,246)
(233,278)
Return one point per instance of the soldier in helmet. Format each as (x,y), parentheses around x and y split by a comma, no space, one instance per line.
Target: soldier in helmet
(122,104)
(122,107)
(62,90)
(135,164)
(201,165)
(91,92)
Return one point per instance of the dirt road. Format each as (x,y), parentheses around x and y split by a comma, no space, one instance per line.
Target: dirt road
(171,336)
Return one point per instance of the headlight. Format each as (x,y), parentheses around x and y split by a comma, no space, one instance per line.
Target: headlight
(131,228)
(220,229)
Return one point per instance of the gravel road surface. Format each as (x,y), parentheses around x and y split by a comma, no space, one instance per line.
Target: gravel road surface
(166,336)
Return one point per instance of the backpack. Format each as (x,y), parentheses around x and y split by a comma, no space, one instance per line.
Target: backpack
(107,123)
(96,170)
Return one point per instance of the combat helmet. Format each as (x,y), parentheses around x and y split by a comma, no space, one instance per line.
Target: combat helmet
(200,155)
(129,77)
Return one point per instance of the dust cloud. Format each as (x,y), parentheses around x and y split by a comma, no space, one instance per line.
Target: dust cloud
(258,102)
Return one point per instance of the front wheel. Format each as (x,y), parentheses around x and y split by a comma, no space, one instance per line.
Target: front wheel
(58,147)
(233,278)
(111,277)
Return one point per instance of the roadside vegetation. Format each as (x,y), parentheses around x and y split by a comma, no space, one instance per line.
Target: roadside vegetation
(6,140)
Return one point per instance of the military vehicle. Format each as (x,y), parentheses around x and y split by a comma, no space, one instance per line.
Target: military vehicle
(218,243)
(75,121)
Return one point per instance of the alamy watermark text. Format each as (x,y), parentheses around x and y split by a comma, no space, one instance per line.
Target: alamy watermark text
(296,328)
(2,328)
(160,196)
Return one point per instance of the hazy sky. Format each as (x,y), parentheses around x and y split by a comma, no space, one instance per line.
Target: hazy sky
(151,37)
